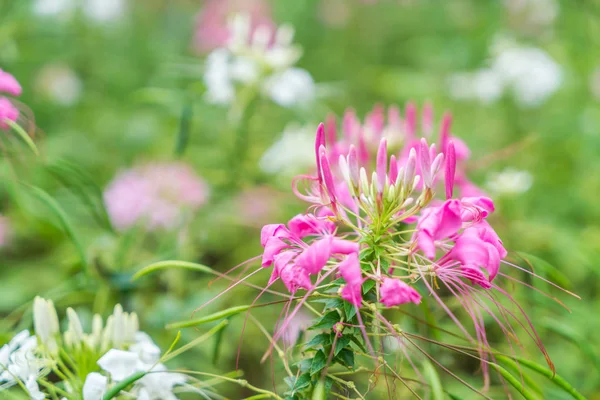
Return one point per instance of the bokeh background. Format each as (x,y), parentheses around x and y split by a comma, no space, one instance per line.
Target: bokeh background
(116,84)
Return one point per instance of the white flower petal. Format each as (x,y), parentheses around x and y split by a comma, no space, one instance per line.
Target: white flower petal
(94,386)
(119,363)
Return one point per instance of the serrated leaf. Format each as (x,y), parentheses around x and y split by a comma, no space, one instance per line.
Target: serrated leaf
(327,321)
(322,339)
(341,343)
(346,357)
(318,362)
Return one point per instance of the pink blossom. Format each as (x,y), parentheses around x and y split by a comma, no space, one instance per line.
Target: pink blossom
(8,84)
(476,208)
(315,256)
(351,272)
(155,195)
(307,224)
(212,30)
(7,112)
(394,292)
(438,223)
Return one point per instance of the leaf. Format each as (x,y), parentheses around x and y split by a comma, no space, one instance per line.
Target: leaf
(349,310)
(57,210)
(553,273)
(172,264)
(185,123)
(432,377)
(209,318)
(514,382)
(557,379)
(304,365)
(322,339)
(318,363)
(346,357)
(519,371)
(341,343)
(301,383)
(320,392)
(327,321)
(217,348)
(194,342)
(368,285)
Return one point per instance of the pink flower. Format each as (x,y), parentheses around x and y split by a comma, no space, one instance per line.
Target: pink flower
(303,225)
(8,84)
(438,223)
(394,292)
(351,272)
(315,256)
(211,24)
(7,112)
(155,195)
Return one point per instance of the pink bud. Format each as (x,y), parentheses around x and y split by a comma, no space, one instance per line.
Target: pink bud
(350,124)
(394,116)
(376,119)
(450,169)
(327,175)
(363,151)
(445,129)
(425,162)
(393,169)
(409,169)
(381,166)
(319,142)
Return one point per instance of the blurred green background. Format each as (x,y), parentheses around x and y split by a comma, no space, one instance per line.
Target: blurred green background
(115,92)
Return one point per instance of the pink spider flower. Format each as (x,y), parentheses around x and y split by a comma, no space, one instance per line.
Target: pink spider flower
(8,112)
(156,196)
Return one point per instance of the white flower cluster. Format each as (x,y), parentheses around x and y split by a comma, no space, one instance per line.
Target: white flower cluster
(96,10)
(116,350)
(529,73)
(259,58)
(510,181)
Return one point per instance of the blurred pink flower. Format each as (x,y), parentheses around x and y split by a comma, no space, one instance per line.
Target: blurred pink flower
(211,24)
(8,84)
(156,195)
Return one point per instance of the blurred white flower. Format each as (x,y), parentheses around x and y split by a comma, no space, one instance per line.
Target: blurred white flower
(52,8)
(33,388)
(60,84)
(528,73)
(17,361)
(510,181)
(158,385)
(290,87)
(120,364)
(45,323)
(104,10)
(533,12)
(292,153)
(262,57)
(95,386)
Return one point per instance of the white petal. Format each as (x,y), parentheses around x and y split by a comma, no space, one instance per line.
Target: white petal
(291,87)
(118,363)
(94,386)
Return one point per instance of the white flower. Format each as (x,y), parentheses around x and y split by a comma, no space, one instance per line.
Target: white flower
(484,85)
(121,328)
(159,385)
(53,7)
(219,83)
(104,10)
(34,390)
(60,84)
(510,181)
(144,347)
(292,153)
(45,323)
(75,330)
(290,87)
(119,363)
(94,386)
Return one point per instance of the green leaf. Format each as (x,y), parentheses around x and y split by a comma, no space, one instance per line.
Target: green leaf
(209,318)
(217,348)
(327,321)
(172,264)
(318,363)
(304,365)
(432,377)
(552,272)
(320,392)
(301,383)
(23,136)
(185,123)
(115,390)
(322,339)
(341,343)
(368,285)
(349,310)
(551,375)
(346,357)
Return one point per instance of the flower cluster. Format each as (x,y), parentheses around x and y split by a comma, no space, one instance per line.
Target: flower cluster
(155,196)
(263,58)
(377,225)
(89,363)
(8,112)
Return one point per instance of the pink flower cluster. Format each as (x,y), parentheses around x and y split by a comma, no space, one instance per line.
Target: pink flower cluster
(450,240)
(155,195)
(8,84)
